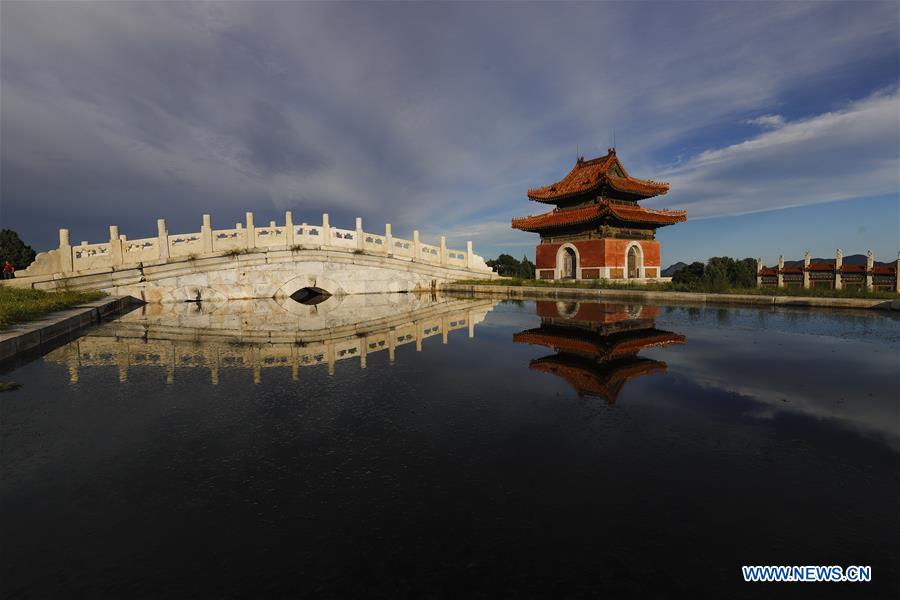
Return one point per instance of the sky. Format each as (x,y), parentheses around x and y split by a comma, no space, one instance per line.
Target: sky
(777,125)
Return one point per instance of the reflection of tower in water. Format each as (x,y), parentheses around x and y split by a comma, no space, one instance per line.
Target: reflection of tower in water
(597,344)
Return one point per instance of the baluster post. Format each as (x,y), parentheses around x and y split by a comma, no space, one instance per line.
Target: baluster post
(115,245)
(65,252)
(288,229)
(163,236)
(870,265)
(838,265)
(806,261)
(251,231)
(206,236)
(897,274)
(781,271)
(326,231)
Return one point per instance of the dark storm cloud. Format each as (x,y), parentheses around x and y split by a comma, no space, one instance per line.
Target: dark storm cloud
(436,116)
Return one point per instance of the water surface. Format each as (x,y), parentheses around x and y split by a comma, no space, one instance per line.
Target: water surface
(402,445)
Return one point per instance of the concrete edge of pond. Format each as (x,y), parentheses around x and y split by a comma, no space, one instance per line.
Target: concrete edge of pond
(28,336)
(599,294)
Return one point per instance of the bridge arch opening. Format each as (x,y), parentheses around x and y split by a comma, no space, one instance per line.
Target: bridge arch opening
(310,296)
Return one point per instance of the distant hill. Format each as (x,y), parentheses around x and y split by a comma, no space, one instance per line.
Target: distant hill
(672,269)
(851,259)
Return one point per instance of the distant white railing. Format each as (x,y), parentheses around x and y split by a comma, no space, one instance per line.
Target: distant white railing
(831,274)
(119,250)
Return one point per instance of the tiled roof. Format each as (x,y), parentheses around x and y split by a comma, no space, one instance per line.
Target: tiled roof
(883,270)
(560,218)
(629,212)
(821,266)
(566,217)
(642,187)
(589,175)
(564,339)
(589,378)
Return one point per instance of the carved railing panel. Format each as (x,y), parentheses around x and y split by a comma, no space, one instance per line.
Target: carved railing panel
(402,247)
(342,238)
(91,256)
(229,239)
(135,251)
(268,237)
(185,244)
(374,243)
(308,234)
(429,253)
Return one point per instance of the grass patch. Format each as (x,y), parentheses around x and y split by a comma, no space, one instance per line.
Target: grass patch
(8,386)
(18,305)
(697,288)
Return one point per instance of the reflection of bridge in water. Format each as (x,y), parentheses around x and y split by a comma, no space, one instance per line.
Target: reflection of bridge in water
(597,344)
(263,334)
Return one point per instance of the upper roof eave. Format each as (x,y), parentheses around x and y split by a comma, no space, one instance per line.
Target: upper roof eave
(591,176)
(586,214)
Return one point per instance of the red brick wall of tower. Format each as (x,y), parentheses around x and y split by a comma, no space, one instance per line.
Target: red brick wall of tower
(599,253)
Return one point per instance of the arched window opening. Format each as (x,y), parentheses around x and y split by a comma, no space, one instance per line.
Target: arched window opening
(310,296)
(569,264)
(634,263)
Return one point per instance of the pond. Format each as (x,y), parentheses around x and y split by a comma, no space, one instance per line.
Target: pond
(406,445)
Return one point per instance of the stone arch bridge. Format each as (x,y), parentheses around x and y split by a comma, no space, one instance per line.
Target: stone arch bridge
(251,261)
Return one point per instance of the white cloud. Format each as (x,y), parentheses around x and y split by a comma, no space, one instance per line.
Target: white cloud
(769,121)
(839,155)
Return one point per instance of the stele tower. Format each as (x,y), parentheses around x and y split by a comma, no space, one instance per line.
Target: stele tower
(597,229)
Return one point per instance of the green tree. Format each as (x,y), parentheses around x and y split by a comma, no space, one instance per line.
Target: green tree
(744,274)
(718,272)
(526,270)
(690,275)
(14,250)
(505,265)
(508,266)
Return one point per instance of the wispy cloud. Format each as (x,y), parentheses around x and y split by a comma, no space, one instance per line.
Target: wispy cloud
(838,155)
(771,121)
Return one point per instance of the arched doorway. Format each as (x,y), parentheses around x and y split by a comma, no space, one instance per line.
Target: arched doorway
(635,262)
(568,264)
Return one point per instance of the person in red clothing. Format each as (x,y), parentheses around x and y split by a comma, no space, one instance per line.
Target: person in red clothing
(8,270)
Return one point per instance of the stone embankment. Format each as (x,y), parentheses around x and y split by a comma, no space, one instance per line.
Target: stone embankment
(45,330)
(667,297)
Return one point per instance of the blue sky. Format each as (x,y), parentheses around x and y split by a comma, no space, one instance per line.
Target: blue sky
(777,125)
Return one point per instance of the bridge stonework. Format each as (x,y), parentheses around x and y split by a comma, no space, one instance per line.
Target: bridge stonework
(251,261)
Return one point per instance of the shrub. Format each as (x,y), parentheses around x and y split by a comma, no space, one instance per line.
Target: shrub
(14,250)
